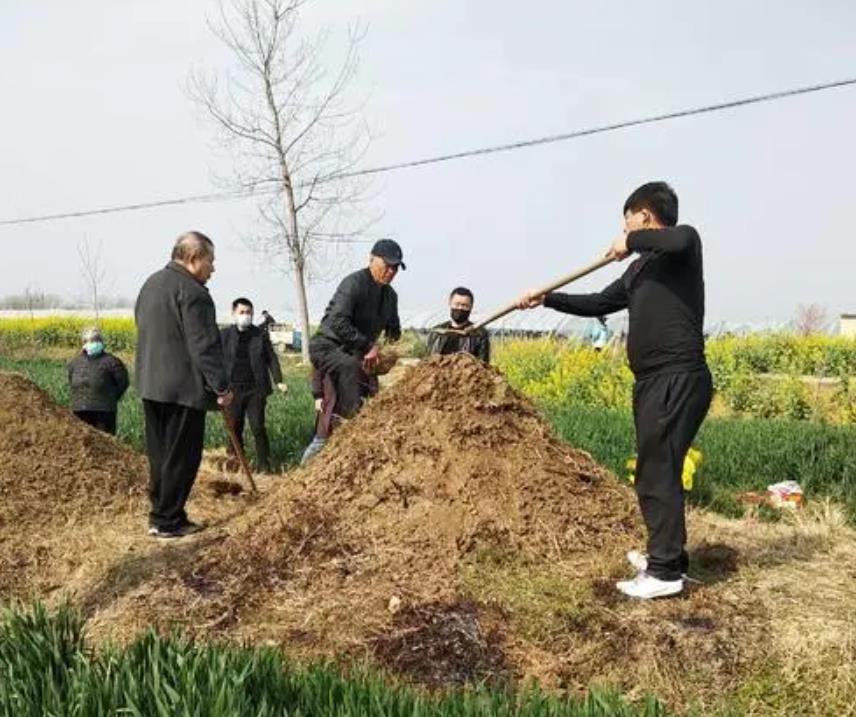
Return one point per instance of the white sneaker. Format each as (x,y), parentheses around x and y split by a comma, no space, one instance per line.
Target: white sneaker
(639,562)
(646,586)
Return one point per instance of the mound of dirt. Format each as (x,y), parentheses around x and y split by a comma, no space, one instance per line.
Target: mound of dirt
(55,473)
(447,535)
(447,468)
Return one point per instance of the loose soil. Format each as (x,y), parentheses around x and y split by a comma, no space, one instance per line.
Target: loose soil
(445,534)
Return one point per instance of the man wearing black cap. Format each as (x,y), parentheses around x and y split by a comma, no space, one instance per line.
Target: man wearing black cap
(364,306)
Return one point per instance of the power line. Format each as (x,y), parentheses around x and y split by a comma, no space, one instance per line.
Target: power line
(603,128)
(549,139)
(191,199)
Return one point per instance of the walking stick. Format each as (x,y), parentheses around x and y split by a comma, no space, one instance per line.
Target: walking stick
(236,445)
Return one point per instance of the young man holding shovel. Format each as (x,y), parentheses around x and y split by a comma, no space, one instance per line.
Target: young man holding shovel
(663,291)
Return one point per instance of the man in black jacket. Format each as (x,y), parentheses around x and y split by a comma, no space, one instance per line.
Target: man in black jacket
(250,364)
(445,342)
(98,380)
(180,374)
(363,306)
(664,293)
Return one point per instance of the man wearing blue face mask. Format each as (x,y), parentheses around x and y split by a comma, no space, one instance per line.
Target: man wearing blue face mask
(253,369)
(98,380)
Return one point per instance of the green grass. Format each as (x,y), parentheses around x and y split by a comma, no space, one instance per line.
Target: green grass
(47,669)
(289,418)
(739,454)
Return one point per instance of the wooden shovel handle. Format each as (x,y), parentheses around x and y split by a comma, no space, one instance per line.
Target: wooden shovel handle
(236,445)
(557,284)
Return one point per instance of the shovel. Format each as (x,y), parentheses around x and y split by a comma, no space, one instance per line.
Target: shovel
(236,445)
(557,284)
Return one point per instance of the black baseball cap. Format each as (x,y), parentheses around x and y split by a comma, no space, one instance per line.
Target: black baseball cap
(390,252)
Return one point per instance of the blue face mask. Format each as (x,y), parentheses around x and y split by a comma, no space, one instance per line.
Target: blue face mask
(93,348)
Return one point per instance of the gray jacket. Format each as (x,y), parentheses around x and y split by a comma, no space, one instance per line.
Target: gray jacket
(179,353)
(97,383)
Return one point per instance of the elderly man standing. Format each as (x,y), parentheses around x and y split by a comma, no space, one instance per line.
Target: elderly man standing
(180,373)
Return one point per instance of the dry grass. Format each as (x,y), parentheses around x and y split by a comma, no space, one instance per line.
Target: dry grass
(769,632)
(773,637)
(511,565)
(801,569)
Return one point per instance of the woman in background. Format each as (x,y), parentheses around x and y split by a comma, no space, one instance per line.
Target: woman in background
(98,380)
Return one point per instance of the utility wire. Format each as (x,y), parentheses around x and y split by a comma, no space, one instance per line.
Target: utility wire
(190,199)
(549,139)
(600,130)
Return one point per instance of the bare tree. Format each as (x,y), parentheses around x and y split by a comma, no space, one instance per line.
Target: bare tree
(810,319)
(34,298)
(93,272)
(287,122)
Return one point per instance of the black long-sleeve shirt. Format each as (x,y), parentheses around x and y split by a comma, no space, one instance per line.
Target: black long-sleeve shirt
(359,311)
(242,370)
(250,358)
(476,343)
(664,293)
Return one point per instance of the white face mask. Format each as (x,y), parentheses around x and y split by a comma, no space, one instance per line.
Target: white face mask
(244,321)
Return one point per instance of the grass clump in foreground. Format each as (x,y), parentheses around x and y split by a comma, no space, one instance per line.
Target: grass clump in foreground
(46,669)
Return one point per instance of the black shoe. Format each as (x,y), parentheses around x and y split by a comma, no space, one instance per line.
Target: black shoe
(187,528)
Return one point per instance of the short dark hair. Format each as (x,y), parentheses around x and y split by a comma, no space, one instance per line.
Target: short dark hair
(658,198)
(241,301)
(462,291)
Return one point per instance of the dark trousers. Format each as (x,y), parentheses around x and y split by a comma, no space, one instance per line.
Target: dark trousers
(668,411)
(174,436)
(249,403)
(102,420)
(346,372)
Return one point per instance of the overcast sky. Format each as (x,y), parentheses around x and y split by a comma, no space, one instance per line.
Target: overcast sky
(95,113)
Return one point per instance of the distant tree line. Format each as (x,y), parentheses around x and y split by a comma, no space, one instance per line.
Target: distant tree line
(35,299)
